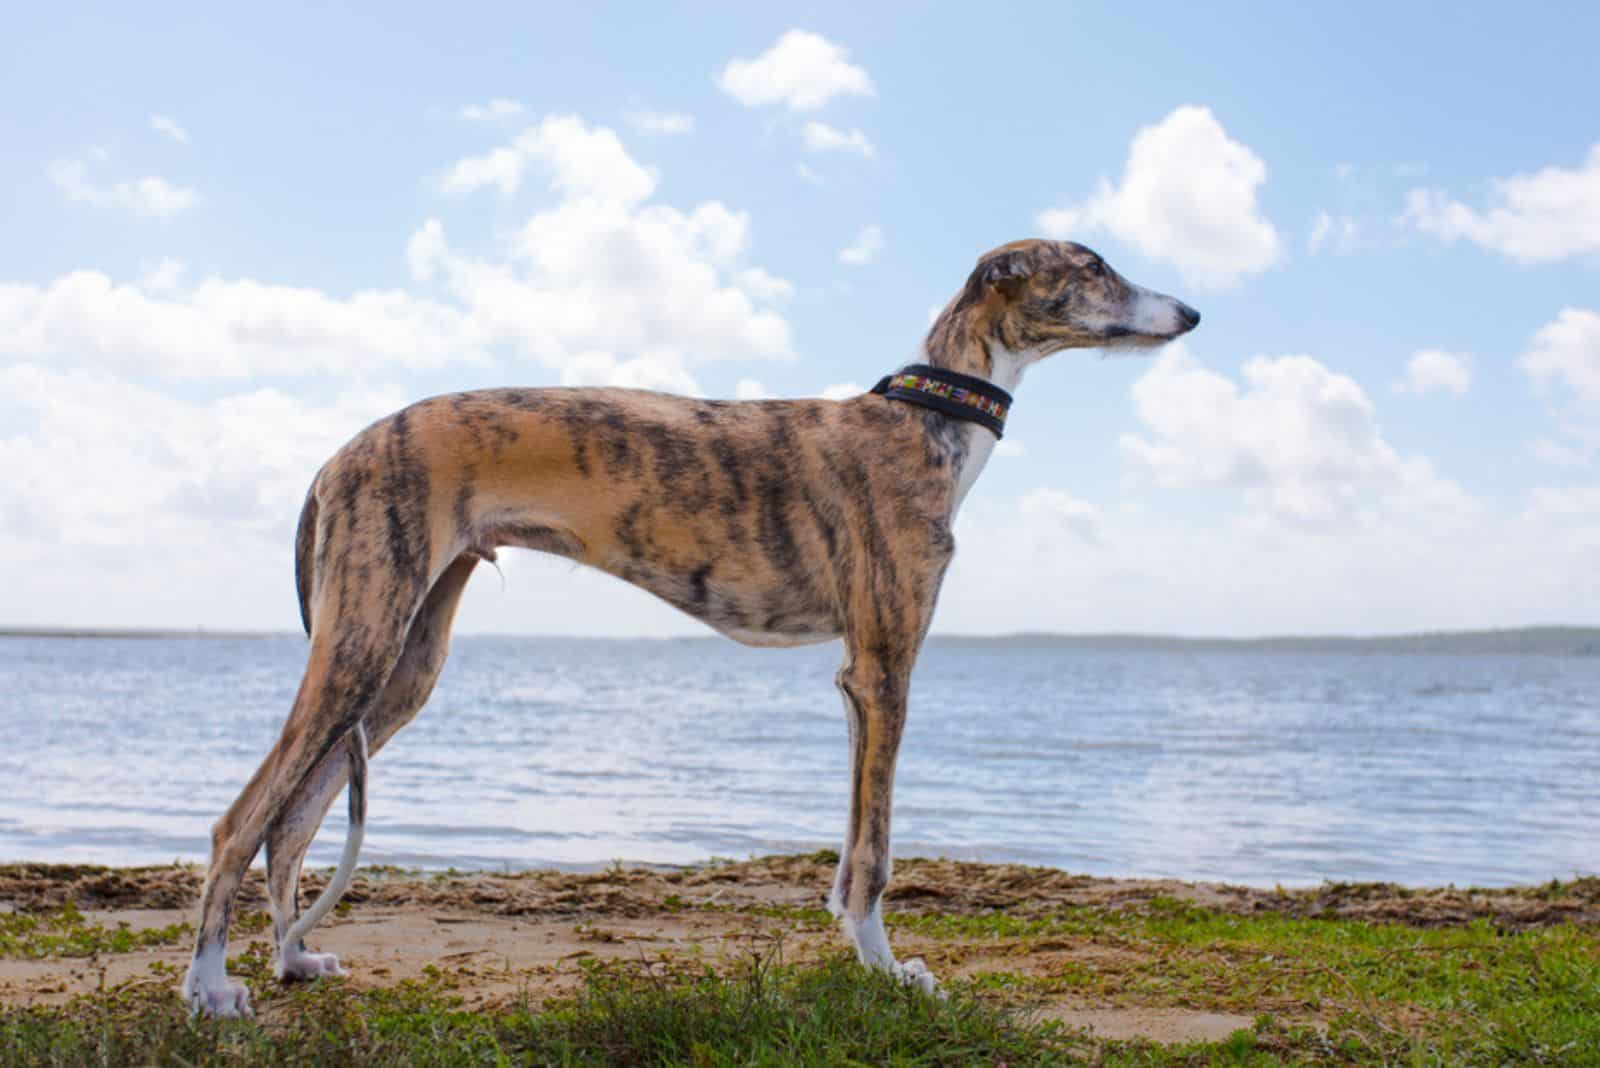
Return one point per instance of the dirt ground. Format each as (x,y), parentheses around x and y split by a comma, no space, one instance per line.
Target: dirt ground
(506,937)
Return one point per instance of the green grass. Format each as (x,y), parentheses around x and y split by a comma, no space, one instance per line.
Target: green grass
(1447,995)
(64,932)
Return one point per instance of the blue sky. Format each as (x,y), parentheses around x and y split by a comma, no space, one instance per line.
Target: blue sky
(234,238)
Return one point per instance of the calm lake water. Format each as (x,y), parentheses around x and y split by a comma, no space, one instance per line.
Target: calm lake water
(1247,767)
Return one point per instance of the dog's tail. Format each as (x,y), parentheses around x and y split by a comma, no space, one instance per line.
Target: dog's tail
(357,791)
(305,546)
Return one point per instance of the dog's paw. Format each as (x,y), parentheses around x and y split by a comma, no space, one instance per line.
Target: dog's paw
(295,967)
(915,973)
(230,1001)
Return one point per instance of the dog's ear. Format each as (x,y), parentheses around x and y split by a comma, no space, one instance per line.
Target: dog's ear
(1005,272)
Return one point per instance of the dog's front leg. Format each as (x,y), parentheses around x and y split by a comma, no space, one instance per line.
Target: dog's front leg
(875,706)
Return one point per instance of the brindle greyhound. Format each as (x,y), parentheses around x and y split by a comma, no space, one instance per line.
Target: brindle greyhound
(775,522)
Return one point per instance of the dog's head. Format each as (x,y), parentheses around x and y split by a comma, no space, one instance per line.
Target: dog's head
(1039,297)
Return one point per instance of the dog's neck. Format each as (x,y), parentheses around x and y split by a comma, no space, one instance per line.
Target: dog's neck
(967,338)
(993,363)
(1006,372)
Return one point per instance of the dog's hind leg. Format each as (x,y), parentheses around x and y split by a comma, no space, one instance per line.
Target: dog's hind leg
(873,681)
(410,684)
(344,675)
(376,568)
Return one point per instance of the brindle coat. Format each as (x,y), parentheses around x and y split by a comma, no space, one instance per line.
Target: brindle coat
(774,522)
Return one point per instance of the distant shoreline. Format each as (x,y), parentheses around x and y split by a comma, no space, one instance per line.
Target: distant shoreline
(1546,640)
(1539,640)
(144,633)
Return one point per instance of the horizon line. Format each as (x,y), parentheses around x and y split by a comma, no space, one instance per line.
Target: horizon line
(202,631)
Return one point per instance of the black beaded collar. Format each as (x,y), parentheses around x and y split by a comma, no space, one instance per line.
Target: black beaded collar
(949,393)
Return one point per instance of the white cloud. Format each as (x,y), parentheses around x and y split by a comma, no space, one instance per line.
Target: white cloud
(123,505)
(226,329)
(1567,351)
(820,137)
(809,175)
(1432,370)
(168,127)
(582,160)
(495,110)
(96,460)
(605,269)
(802,71)
(1187,197)
(1296,517)
(1057,511)
(661,123)
(1156,568)
(152,197)
(1300,441)
(1339,234)
(1559,453)
(662,373)
(1566,502)
(163,277)
(1541,217)
(426,250)
(501,167)
(865,248)
(603,285)
(764,286)
(750,389)
(843,391)
(1563,360)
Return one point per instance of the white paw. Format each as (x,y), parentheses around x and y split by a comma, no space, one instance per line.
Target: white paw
(302,965)
(915,973)
(228,1001)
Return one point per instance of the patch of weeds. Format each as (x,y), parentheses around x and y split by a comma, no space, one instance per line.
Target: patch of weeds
(252,922)
(797,916)
(253,964)
(765,1014)
(588,932)
(55,872)
(1582,888)
(1475,993)
(65,932)
(385,871)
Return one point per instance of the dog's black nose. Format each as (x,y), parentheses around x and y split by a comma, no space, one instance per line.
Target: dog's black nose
(1190,317)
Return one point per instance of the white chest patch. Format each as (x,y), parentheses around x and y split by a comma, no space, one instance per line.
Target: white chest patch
(1008,369)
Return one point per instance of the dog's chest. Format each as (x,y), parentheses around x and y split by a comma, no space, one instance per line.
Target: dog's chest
(779,610)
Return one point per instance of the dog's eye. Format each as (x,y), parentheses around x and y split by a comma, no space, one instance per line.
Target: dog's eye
(1098,268)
